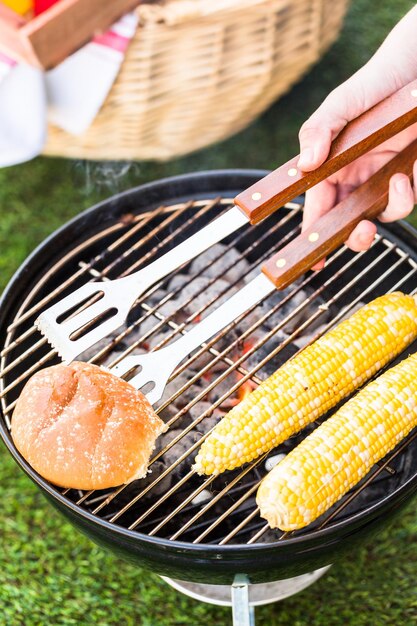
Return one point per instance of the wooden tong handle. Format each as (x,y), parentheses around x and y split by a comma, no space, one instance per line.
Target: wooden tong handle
(384,120)
(332,229)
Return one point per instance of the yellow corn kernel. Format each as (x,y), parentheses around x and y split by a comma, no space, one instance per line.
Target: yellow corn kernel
(334,458)
(311,383)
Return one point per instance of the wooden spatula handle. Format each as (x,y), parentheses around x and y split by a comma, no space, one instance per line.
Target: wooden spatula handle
(331,230)
(384,120)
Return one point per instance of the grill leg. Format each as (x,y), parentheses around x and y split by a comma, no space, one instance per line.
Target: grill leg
(243,614)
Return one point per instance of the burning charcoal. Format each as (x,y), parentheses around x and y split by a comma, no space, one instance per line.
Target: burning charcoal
(250,320)
(200,263)
(178,281)
(232,258)
(254,273)
(212,292)
(171,307)
(137,486)
(105,343)
(156,297)
(247,343)
(135,337)
(223,387)
(303,340)
(208,357)
(181,420)
(187,395)
(229,344)
(168,412)
(238,268)
(183,445)
(135,314)
(154,340)
(207,423)
(145,327)
(317,304)
(145,321)
(351,311)
(320,325)
(284,310)
(273,364)
(198,409)
(191,289)
(161,309)
(297,300)
(200,362)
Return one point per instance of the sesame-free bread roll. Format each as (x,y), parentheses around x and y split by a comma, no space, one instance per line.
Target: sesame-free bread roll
(82,427)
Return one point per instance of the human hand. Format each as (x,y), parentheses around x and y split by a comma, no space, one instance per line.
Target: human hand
(392,66)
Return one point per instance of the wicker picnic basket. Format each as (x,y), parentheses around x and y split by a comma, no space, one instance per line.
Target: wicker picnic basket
(198,71)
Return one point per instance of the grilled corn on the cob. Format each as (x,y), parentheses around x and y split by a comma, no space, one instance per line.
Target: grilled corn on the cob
(311,383)
(331,460)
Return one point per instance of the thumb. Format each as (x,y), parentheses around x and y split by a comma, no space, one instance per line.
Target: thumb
(343,104)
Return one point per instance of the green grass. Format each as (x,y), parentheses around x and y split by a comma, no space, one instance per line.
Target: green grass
(49,573)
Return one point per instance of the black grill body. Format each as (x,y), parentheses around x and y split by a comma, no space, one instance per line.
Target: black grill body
(204,562)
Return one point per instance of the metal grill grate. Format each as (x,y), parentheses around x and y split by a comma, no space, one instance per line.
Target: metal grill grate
(222,509)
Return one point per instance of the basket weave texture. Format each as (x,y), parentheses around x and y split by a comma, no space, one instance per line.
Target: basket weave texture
(198,71)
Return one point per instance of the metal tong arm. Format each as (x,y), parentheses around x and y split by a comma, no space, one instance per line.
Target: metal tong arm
(329,232)
(216,230)
(382,121)
(175,352)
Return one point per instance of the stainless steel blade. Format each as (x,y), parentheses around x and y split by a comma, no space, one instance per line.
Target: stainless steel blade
(118,296)
(156,367)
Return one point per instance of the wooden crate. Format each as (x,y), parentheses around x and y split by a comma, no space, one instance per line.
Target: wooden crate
(47,39)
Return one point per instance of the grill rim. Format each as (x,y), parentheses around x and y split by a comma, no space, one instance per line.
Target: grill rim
(198,184)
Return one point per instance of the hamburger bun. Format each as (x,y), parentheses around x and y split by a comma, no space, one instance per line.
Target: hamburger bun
(82,427)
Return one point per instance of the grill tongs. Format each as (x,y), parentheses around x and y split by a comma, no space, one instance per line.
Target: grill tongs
(327,234)
(101,307)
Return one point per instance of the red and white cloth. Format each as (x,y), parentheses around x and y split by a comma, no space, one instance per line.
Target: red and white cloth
(69,96)
(77,87)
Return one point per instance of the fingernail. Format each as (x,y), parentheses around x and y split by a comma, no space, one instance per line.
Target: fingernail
(306,158)
(401,186)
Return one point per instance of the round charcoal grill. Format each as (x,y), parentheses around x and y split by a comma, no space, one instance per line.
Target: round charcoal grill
(192,528)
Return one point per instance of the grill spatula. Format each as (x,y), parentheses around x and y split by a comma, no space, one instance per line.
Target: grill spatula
(101,307)
(327,234)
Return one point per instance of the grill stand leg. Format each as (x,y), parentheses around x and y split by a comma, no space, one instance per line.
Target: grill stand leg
(243,614)
(244,596)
